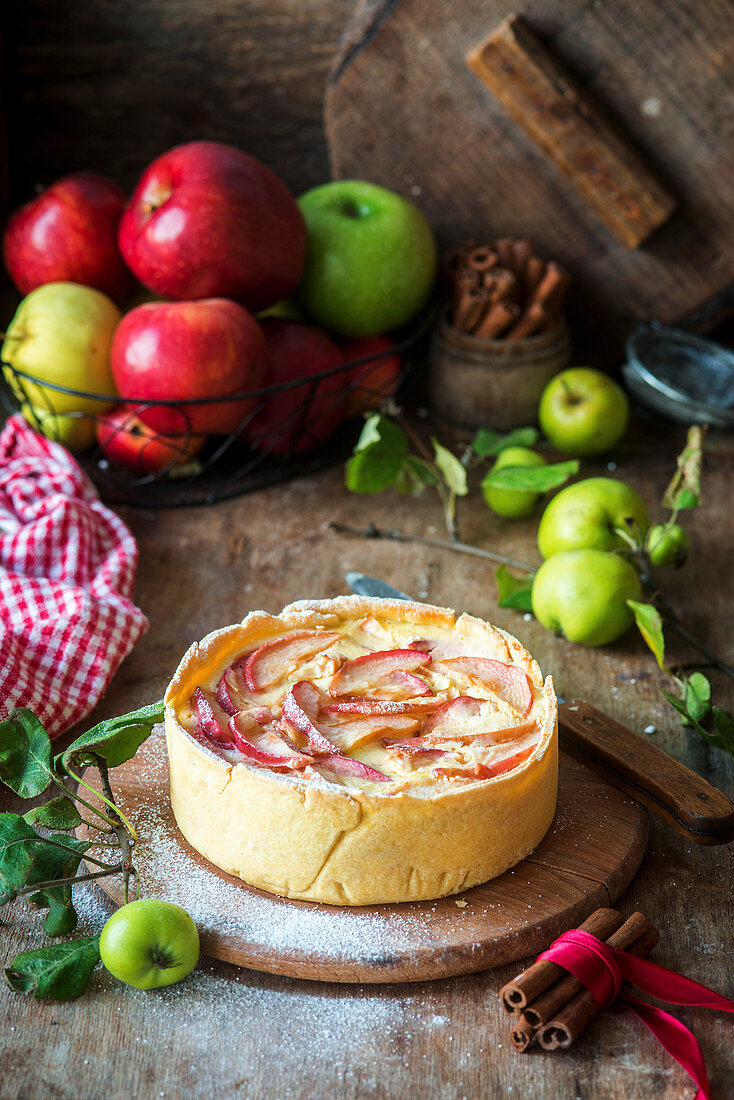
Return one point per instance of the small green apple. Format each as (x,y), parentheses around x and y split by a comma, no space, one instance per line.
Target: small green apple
(61,333)
(667,545)
(149,943)
(583,412)
(585,515)
(511,503)
(371,260)
(75,431)
(583,594)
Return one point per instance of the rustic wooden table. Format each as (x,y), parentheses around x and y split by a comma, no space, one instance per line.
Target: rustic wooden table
(229,1032)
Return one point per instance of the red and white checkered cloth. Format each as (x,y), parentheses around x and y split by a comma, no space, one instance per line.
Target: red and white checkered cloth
(67,568)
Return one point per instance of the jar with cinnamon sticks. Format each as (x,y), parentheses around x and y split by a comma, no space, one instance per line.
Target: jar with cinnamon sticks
(501,339)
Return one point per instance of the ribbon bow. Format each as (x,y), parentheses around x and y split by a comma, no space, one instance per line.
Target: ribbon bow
(603,969)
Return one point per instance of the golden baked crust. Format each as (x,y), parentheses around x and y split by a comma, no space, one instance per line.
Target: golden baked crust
(319,836)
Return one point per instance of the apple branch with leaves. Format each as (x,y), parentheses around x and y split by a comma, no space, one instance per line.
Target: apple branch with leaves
(39,853)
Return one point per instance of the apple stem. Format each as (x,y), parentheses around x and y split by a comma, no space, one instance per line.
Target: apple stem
(373,532)
(124,837)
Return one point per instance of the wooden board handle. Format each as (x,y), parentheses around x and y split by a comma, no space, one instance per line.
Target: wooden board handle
(571,130)
(671,790)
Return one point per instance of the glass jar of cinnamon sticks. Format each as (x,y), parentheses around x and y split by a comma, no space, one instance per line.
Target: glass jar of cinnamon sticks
(501,339)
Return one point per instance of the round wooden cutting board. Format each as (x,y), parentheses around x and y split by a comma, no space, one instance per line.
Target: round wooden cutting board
(588,857)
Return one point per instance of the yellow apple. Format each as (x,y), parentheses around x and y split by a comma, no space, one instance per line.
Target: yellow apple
(61,333)
(75,430)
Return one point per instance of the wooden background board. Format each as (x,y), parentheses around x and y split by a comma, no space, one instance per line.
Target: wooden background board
(232,1032)
(403,109)
(588,857)
(110,85)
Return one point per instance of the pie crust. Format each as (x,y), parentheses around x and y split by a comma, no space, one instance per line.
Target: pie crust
(326,836)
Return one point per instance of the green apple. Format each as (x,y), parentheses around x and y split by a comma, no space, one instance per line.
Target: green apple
(512,503)
(61,333)
(583,412)
(149,943)
(583,594)
(585,516)
(667,545)
(371,260)
(76,431)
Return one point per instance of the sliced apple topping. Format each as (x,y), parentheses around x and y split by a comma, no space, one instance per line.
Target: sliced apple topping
(301,710)
(274,661)
(347,765)
(413,746)
(362,705)
(384,671)
(231,691)
(485,771)
(264,745)
(468,719)
(210,719)
(510,682)
(353,731)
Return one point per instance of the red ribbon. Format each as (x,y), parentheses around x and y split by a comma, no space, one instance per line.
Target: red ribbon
(603,969)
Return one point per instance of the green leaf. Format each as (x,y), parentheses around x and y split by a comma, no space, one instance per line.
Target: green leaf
(415,474)
(60,972)
(454,474)
(697,696)
(650,626)
(684,490)
(25,754)
(61,918)
(487,443)
(59,813)
(532,479)
(115,739)
(723,734)
(514,591)
(27,858)
(378,456)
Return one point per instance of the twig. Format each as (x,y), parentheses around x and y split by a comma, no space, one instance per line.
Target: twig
(122,831)
(372,532)
(71,881)
(714,661)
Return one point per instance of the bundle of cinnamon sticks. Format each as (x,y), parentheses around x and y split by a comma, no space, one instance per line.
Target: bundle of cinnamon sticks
(550,1005)
(503,289)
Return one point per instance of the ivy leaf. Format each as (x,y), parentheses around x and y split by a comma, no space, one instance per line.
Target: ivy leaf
(532,479)
(684,490)
(60,972)
(115,739)
(26,857)
(514,591)
(59,813)
(415,474)
(25,754)
(378,456)
(487,444)
(454,474)
(650,626)
(697,696)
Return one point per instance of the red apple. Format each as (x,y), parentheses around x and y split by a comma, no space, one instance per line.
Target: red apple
(184,350)
(375,380)
(128,441)
(295,420)
(208,221)
(69,235)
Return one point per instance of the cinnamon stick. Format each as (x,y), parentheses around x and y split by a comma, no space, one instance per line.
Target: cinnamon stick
(470,308)
(637,937)
(503,284)
(481,259)
(534,272)
(528,323)
(552,287)
(522,1034)
(526,987)
(503,248)
(496,320)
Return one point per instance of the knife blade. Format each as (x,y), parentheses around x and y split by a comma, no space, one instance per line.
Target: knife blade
(678,795)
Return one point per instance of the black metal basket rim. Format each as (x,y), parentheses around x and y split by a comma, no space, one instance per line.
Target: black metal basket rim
(148,402)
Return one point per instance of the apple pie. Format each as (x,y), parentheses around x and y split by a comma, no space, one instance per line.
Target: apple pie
(360,751)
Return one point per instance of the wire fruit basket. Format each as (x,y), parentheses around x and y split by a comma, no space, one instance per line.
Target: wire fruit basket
(282,431)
